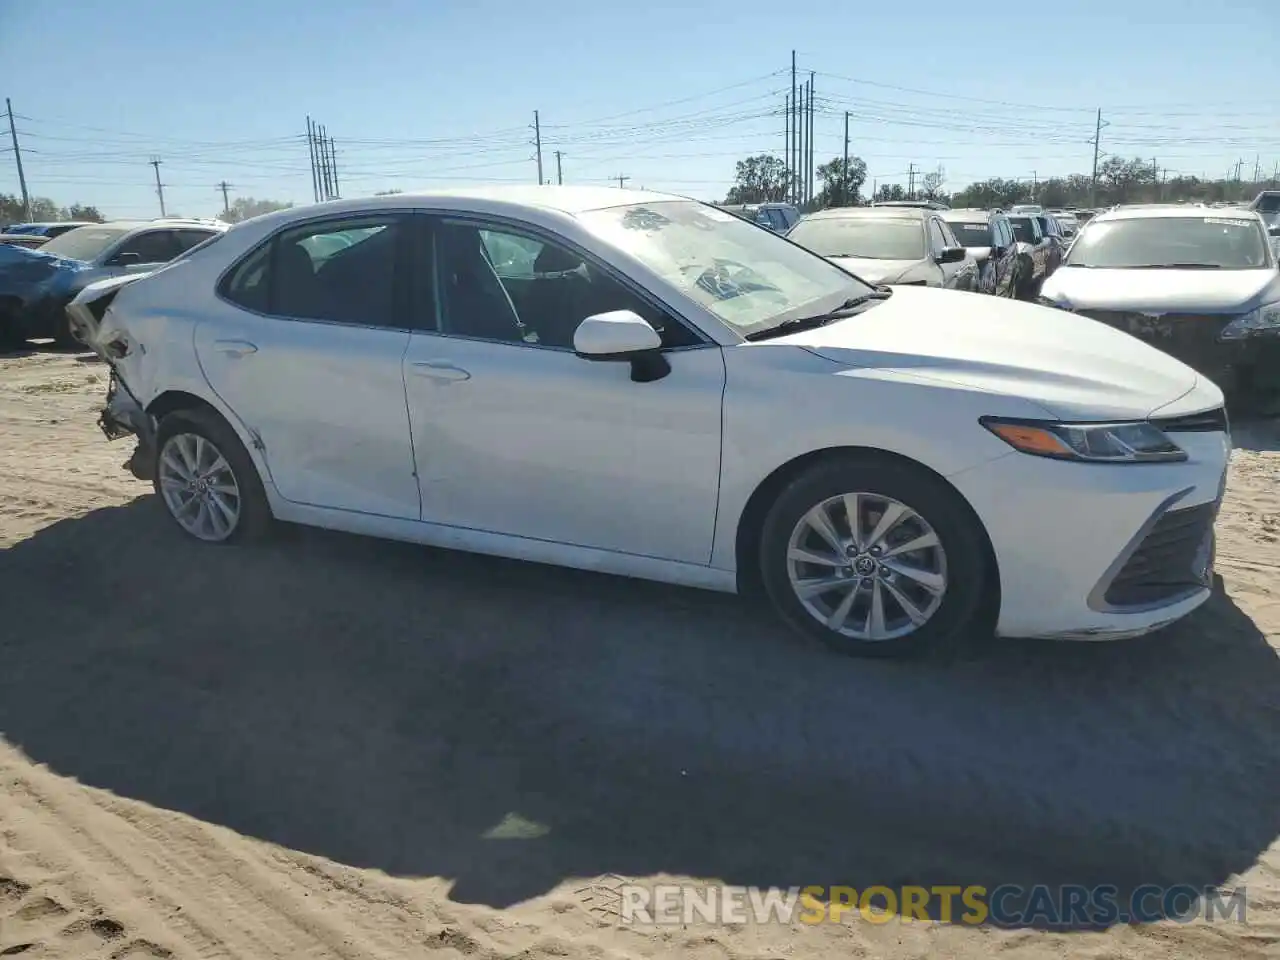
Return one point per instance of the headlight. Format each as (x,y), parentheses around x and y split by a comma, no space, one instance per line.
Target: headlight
(1266,319)
(1135,442)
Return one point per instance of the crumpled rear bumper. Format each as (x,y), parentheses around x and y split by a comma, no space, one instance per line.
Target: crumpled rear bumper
(122,416)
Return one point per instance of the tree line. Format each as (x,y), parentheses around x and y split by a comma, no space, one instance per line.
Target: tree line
(43,210)
(765,178)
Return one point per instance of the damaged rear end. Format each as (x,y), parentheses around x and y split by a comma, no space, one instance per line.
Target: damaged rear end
(94,324)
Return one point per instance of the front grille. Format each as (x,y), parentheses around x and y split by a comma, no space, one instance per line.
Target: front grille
(1207,421)
(1174,558)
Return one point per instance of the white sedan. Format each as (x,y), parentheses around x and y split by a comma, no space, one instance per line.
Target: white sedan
(644,385)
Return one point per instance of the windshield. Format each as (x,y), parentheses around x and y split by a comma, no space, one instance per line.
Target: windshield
(1223,242)
(1268,203)
(750,278)
(84,243)
(972,234)
(875,238)
(1022,230)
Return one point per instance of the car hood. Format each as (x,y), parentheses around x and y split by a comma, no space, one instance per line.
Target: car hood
(1172,291)
(1073,367)
(880,271)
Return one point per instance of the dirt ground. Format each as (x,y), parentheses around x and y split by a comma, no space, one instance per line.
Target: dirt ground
(335,747)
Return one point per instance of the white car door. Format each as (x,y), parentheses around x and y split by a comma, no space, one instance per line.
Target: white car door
(515,434)
(306,346)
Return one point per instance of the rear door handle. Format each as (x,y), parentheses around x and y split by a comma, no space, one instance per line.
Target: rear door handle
(441,370)
(235,348)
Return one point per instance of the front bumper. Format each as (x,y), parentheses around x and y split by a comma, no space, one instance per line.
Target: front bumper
(1064,535)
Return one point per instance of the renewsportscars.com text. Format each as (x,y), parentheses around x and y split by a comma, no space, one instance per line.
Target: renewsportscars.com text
(1006,905)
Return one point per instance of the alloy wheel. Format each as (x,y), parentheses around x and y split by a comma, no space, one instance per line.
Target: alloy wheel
(867,566)
(199,487)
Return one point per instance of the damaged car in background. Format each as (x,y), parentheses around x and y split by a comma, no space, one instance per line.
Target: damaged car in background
(1200,284)
(37,285)
(659,389)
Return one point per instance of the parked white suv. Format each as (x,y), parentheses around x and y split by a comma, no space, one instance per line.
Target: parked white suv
(656,388)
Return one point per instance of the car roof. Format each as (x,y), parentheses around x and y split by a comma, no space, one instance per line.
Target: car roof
(1172,212)
(565,199)
(968,213)
(873,213)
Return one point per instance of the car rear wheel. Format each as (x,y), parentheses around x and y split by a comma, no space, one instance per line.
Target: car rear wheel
(206,479)
(874,557)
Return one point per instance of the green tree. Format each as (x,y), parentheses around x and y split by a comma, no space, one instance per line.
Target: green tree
(836,191)
(890,191)
(760,179)
(80,211)
(245,208)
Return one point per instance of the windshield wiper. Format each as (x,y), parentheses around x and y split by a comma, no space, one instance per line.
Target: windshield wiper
(1176,266)
(796,324)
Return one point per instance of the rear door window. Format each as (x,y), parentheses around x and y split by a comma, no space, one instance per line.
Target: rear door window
(151,246)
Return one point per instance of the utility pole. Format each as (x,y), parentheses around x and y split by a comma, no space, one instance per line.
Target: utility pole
(809,162)
(226,202)
(559,173)
(315,170)
(1097,142)
(621,181)
(844,175)
(911,181)
(326,192)
(333,168)
(1035,185)
(786,139)
(537,143)
(17,156)
(1257,167)
(155,162)
(795,134)
(804,143)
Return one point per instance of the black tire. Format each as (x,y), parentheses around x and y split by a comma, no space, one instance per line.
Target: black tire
(963,541)
(255,520)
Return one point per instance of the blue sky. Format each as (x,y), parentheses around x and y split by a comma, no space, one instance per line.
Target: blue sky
(421,94)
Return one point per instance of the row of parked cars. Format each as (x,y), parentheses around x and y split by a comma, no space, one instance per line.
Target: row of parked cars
(926,243)
(1195,280)
(44,265)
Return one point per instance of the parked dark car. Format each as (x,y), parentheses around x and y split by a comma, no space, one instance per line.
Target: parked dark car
(46,230)
(1058,242)
(28,240)
(988,237)
(896,245)
(778,217)
(1033,253)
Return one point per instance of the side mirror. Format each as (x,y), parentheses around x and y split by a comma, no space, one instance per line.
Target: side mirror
(622,335)
(952,255)
(125,259)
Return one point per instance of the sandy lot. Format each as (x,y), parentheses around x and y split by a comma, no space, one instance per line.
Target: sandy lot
(336,747)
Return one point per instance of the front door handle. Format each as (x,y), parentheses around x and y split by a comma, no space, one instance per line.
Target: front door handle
(235,348)
(441,370)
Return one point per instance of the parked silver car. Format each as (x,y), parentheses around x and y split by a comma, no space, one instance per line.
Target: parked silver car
(1199,283)
(909,246)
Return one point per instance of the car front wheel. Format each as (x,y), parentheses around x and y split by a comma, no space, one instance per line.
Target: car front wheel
(206,479)
(874,557)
